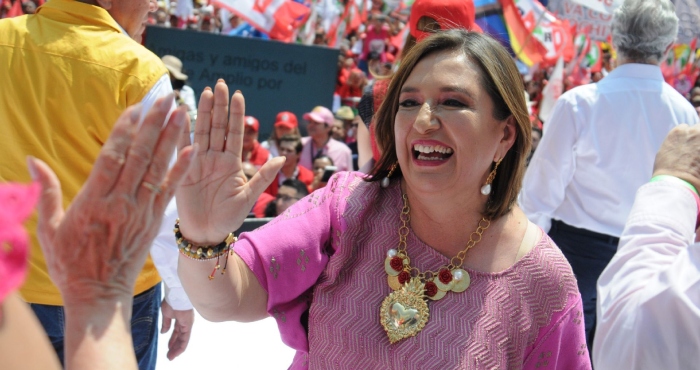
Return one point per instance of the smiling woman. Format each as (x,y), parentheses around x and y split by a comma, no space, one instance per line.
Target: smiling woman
(457,274)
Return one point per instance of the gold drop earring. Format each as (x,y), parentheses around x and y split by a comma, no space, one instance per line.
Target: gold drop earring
(386,180)
(486,189)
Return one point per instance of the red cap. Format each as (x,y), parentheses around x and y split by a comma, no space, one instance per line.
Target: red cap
(287,120)
(448,13)
(252,122)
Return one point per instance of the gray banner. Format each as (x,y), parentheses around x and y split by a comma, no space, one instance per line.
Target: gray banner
(273,76)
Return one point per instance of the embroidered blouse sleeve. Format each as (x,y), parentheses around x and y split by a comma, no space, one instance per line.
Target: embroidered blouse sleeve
(562,343)
(288,255)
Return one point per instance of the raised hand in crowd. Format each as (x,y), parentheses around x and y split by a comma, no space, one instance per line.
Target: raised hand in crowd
(216,196)
(95,249)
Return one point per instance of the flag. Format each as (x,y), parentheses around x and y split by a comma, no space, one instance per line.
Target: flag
(667,67)
(489,17)
(606,7)
(554,34)
(307,34)
(277,18)
(354,15)
(691,58)
(553,90)
(525,47)
(594,57)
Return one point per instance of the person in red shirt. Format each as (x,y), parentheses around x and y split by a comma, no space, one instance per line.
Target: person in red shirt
(252,151)
(290,147)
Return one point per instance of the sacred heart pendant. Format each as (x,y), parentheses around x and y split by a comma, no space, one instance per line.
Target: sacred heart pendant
(405,312)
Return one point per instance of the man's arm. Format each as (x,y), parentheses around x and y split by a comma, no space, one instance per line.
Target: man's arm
(552,166)
(649,294)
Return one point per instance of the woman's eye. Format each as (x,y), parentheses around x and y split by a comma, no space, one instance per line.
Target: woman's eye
(408,103)
(454,103)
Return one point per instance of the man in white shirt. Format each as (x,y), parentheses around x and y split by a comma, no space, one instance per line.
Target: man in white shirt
(599,145)
(649,294)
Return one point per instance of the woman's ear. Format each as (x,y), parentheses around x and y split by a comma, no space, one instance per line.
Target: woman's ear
(510,133)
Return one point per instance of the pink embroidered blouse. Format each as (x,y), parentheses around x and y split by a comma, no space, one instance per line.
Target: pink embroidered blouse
(322,264)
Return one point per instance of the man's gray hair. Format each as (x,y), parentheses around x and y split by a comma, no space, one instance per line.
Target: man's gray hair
(642,29)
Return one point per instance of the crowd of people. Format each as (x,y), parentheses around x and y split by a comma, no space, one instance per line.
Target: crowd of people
(418,196)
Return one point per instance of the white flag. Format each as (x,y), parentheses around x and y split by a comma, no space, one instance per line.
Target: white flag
(552,91)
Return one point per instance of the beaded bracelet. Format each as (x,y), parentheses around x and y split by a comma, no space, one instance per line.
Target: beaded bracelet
(204,252)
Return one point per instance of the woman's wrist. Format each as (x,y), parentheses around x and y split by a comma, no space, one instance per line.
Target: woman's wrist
(197,237)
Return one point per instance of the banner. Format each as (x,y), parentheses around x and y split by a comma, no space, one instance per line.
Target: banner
(600,6)
(584,18)
(273,76)
(688,12)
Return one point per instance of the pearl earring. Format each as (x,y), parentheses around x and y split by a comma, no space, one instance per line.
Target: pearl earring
(486,189)
(386,180)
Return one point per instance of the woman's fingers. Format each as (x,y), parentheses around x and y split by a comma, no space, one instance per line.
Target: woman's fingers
(162,155)
(219,118)
(140,154)
(262,179)
(236,127)
(51,200)
(109,163)
(202,125)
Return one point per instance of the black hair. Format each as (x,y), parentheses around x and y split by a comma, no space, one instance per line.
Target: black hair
(299,186)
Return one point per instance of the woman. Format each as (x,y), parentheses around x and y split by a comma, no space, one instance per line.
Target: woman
(455,134)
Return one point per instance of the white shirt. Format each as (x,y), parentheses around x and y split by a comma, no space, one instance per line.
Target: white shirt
(598,148)
(649,294)
(164,251)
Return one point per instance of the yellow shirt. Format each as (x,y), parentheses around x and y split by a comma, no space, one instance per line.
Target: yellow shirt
(66,74)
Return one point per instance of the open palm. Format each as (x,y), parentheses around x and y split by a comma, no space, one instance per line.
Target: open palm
(216,197)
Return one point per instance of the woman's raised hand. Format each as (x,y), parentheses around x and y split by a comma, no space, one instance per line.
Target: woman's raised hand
(216,197)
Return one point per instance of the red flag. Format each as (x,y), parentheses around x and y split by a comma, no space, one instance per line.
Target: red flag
(526,47)
(277,18)
(691,60)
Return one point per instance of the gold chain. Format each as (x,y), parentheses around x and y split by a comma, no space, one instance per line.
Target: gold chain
(455,262)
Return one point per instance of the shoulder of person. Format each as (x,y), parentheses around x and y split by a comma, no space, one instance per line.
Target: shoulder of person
(348,180)
(549,265)
(339,144)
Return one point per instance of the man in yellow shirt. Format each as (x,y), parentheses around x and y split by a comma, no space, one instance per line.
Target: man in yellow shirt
(67,73)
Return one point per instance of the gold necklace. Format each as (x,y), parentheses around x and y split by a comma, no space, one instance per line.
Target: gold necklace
(405,311)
